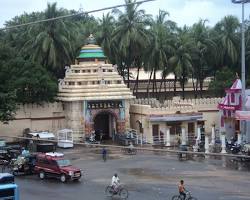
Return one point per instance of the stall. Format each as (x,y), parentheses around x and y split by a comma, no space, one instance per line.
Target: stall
(65,138)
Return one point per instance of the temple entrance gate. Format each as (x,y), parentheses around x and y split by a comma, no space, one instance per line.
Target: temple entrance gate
(105,125)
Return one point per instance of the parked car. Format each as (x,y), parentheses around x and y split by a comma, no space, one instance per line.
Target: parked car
(56,166)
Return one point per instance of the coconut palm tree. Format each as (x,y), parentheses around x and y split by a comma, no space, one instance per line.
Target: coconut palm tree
(226,35)
(104,35)
(156,57)
(205,49)
(131,34)
(181,60)
(51,44)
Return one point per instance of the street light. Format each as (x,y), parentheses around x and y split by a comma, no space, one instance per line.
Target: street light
(243,63)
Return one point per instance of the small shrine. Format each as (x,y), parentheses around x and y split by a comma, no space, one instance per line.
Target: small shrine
(227,109)
(94,95)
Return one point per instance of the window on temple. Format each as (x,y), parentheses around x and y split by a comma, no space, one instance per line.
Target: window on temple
(77,71)
(79,83)
(89,70)
(119,82)
(232,98)
(83,71)
(71,83)
(110,70)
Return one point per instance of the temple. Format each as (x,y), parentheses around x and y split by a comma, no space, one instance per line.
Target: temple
(228,107)
(94,95)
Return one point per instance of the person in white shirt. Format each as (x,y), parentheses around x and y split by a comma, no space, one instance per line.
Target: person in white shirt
(115,183)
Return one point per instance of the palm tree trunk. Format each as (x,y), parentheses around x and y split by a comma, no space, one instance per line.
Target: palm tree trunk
(165,88)
(195,92)
(183,86)
(201,87)
(154,84)
(136,82)
(175,80)
(156,88)
(159,92)
(128,75)
(149,83)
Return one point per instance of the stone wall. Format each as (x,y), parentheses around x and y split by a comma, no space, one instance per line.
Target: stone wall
(140,109)
(49,116)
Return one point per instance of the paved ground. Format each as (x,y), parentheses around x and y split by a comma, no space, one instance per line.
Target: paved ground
(147,176)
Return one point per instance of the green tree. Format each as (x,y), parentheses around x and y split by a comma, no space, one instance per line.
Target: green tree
(226,36)
(131,34)
(181,60)
(157,52)
(223,79)
(104,35)
(7,94)
(32,83)
(51,41)
(203,57)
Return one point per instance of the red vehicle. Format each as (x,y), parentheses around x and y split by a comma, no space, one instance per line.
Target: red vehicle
(55,165)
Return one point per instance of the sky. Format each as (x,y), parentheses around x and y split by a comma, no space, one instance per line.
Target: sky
(184,12)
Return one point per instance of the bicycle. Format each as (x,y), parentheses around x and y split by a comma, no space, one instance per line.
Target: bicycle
(188,197)
(121,192)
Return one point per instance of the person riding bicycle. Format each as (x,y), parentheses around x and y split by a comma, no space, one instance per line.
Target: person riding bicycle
(182,189)
(115,183)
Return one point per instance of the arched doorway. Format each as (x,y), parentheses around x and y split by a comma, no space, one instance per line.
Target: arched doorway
(105,125)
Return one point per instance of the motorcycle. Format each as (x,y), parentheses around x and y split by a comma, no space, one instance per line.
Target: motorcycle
(233,147)
(23,164)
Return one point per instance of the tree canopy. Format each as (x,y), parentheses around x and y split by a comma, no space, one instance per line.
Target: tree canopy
(33,57)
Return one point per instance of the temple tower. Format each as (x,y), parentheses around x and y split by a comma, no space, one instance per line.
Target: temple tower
(94,95)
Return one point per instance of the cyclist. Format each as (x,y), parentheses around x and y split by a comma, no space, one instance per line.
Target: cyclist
(182,189)
(115,183)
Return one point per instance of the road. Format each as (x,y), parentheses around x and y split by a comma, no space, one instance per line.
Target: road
(146,175)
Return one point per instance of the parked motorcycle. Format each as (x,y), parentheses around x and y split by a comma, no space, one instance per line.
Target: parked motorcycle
(233,147)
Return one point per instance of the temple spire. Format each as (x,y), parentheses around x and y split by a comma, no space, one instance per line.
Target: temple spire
(91,39)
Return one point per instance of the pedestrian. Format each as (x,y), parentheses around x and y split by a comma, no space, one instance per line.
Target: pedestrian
(104,154)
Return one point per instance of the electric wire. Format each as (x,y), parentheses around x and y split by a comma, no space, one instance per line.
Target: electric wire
(72,15)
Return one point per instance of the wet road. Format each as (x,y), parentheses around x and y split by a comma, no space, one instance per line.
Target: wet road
(146,176)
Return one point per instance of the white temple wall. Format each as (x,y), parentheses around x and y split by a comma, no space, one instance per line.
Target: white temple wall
(73,117)
(212,117)
(127,115)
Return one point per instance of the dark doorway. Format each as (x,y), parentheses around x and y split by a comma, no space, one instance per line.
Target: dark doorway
(155,129)
(104,125)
